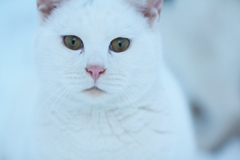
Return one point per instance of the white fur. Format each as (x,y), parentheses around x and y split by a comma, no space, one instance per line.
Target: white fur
(141,116)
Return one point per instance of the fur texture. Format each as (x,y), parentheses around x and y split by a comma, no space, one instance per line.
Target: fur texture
(138,111)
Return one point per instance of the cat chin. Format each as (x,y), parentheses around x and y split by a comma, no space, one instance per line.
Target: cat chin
(94,92)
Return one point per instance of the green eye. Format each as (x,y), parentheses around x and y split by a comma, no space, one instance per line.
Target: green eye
(120,44)
(73,42)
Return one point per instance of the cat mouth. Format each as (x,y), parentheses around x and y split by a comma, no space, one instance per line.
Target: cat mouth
(94,91)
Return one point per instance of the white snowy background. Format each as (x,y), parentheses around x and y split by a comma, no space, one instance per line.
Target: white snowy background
(18,21)
(17,25)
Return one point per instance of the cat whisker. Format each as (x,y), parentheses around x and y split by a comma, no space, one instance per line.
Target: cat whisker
(50,84)
(52,106)
(133,104)
(46,101)
(44,105)
(67,91)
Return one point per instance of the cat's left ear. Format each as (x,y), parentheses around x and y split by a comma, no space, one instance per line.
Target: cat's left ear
(151,9)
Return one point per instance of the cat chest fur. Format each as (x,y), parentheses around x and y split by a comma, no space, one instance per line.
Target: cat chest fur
(117,134)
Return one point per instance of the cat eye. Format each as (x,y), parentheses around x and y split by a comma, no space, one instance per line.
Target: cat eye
(119,44)
(73,42)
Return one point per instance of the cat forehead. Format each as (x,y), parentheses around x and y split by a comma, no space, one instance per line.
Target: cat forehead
(102,17)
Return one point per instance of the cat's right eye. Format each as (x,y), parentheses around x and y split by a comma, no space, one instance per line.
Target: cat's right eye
(73,42)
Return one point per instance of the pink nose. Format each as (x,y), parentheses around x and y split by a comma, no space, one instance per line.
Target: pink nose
(95,71)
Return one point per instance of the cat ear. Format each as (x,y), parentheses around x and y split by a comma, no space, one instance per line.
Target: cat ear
(151,9)
(45,7)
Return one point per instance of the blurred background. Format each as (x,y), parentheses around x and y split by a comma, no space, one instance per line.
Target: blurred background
(201,43)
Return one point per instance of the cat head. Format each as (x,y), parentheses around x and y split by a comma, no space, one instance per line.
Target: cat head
(99,51)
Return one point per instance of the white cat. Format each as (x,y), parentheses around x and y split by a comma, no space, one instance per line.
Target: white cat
(105,92)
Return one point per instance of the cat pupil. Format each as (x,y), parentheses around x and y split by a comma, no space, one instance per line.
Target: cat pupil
(73,41)
(120,43)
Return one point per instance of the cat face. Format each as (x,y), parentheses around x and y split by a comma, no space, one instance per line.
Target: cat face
(99,51)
